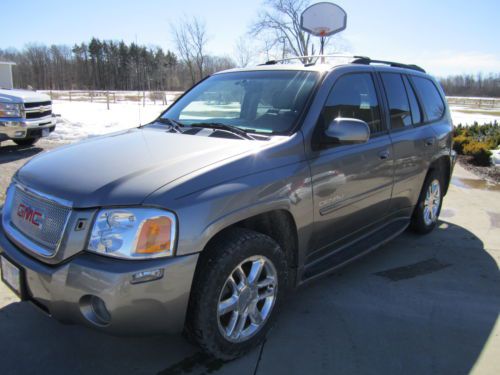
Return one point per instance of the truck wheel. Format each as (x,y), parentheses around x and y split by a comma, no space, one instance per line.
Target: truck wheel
(26,142)
(426,214)
(238,287)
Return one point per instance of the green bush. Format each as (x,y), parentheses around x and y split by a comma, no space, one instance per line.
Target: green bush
(459,142)
(480,152)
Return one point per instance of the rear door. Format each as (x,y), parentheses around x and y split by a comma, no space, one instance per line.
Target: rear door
(413,142)
(351,183)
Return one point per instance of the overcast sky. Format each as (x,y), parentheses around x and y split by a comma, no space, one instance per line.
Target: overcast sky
(445,36)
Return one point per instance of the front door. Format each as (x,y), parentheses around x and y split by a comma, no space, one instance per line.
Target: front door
(351,183)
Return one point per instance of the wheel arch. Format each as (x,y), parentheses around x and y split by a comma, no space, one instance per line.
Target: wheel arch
(279,224)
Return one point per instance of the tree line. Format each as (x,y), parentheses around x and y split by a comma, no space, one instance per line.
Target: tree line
(472,85)
(106,65)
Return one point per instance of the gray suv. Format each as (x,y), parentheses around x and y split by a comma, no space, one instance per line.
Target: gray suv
(252,183)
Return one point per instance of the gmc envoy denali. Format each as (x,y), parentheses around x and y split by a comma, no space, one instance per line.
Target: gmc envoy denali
(252,183)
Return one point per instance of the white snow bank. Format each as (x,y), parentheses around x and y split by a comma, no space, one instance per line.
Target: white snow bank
(81,120)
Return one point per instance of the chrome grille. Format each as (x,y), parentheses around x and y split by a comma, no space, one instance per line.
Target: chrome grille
(38,110)
(28,210)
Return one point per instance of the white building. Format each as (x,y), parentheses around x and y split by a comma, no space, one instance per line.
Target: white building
(6,75)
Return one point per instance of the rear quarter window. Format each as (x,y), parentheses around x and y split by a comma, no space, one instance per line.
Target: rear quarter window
(430,98)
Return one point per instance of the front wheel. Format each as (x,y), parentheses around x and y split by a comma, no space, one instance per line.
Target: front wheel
(429,204)
(26,142)
(237,289)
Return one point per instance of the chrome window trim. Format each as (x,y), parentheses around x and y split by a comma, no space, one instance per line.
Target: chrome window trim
(16,236)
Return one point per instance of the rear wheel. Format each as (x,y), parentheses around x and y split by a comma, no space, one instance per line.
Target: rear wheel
(236,293)
(26,142)
(426,213)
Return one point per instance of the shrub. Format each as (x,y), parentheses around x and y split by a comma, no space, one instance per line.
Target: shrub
(480,152)
(459,142)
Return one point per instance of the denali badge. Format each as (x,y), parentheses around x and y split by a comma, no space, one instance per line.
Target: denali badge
(30,215)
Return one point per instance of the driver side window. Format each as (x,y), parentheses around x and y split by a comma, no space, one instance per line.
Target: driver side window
(353,96)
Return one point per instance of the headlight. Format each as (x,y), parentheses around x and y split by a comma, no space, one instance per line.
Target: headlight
(134,233)
(11,110)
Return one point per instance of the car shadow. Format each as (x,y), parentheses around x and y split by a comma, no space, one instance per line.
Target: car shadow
(420,304)
(12,153)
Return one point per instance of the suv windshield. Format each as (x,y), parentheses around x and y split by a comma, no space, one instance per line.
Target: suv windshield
(267,101)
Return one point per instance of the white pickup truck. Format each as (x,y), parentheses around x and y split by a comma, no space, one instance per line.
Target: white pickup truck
(25,116)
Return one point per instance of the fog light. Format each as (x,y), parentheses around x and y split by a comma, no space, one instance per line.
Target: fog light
(19,134)
(94,310)
(145,276)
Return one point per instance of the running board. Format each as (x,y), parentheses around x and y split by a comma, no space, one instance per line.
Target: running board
(353,251)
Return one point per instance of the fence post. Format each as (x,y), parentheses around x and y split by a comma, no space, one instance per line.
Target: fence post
(91,97)
(69,95)
(144,98)
(114,97)
(107,99)
(164,98)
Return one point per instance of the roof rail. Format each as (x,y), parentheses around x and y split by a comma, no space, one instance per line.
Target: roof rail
(368,61)
(311,59)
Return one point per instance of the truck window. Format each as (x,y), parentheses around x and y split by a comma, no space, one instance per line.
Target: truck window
(353,96)
(430,98)
(416,114)
(399,107)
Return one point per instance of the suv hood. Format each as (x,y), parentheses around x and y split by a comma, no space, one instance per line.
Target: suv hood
(124,168)
(22,96)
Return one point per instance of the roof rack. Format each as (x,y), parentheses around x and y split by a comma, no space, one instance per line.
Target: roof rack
(368,61)
(313,59)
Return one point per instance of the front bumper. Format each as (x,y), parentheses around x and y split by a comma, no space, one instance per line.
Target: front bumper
(63,291)
(19,128)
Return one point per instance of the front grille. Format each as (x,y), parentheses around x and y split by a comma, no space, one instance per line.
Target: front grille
(37,104)
(38,110)
(38,114)
(28,210)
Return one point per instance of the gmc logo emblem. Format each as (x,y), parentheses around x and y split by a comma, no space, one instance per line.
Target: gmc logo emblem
(30,215)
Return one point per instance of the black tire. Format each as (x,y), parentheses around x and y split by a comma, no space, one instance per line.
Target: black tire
(26,142)
(419,223)
(216,264)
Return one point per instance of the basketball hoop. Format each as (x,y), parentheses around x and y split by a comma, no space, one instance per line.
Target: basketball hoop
(323,20)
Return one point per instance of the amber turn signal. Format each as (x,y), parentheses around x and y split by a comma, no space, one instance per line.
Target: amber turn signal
(154,236)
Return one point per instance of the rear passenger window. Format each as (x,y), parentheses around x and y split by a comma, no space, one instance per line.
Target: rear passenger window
(430,98)
(353,96)
(416,115)
(399,107)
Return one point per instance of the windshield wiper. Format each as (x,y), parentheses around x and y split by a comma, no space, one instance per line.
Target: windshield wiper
(174,124)
(217,125)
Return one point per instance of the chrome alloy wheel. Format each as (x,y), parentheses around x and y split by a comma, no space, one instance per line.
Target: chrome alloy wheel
(247,299)
(432,202)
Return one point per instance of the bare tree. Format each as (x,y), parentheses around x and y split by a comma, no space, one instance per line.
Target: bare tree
(280,24)
(191,40)
(243,52)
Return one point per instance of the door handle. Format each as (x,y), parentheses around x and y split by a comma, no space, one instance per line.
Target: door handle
(384,154)
(430,141)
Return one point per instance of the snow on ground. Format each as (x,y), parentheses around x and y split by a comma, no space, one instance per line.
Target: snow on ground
(79,120)
(467,116)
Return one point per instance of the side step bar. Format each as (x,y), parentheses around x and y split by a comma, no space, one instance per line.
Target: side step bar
(350,252)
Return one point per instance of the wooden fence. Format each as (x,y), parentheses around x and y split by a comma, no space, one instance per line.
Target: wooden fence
(481,103)
(109,97)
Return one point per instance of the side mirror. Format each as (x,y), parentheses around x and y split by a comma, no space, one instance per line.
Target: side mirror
(347,131)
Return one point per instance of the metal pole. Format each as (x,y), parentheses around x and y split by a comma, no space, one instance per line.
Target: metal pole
(322,51)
